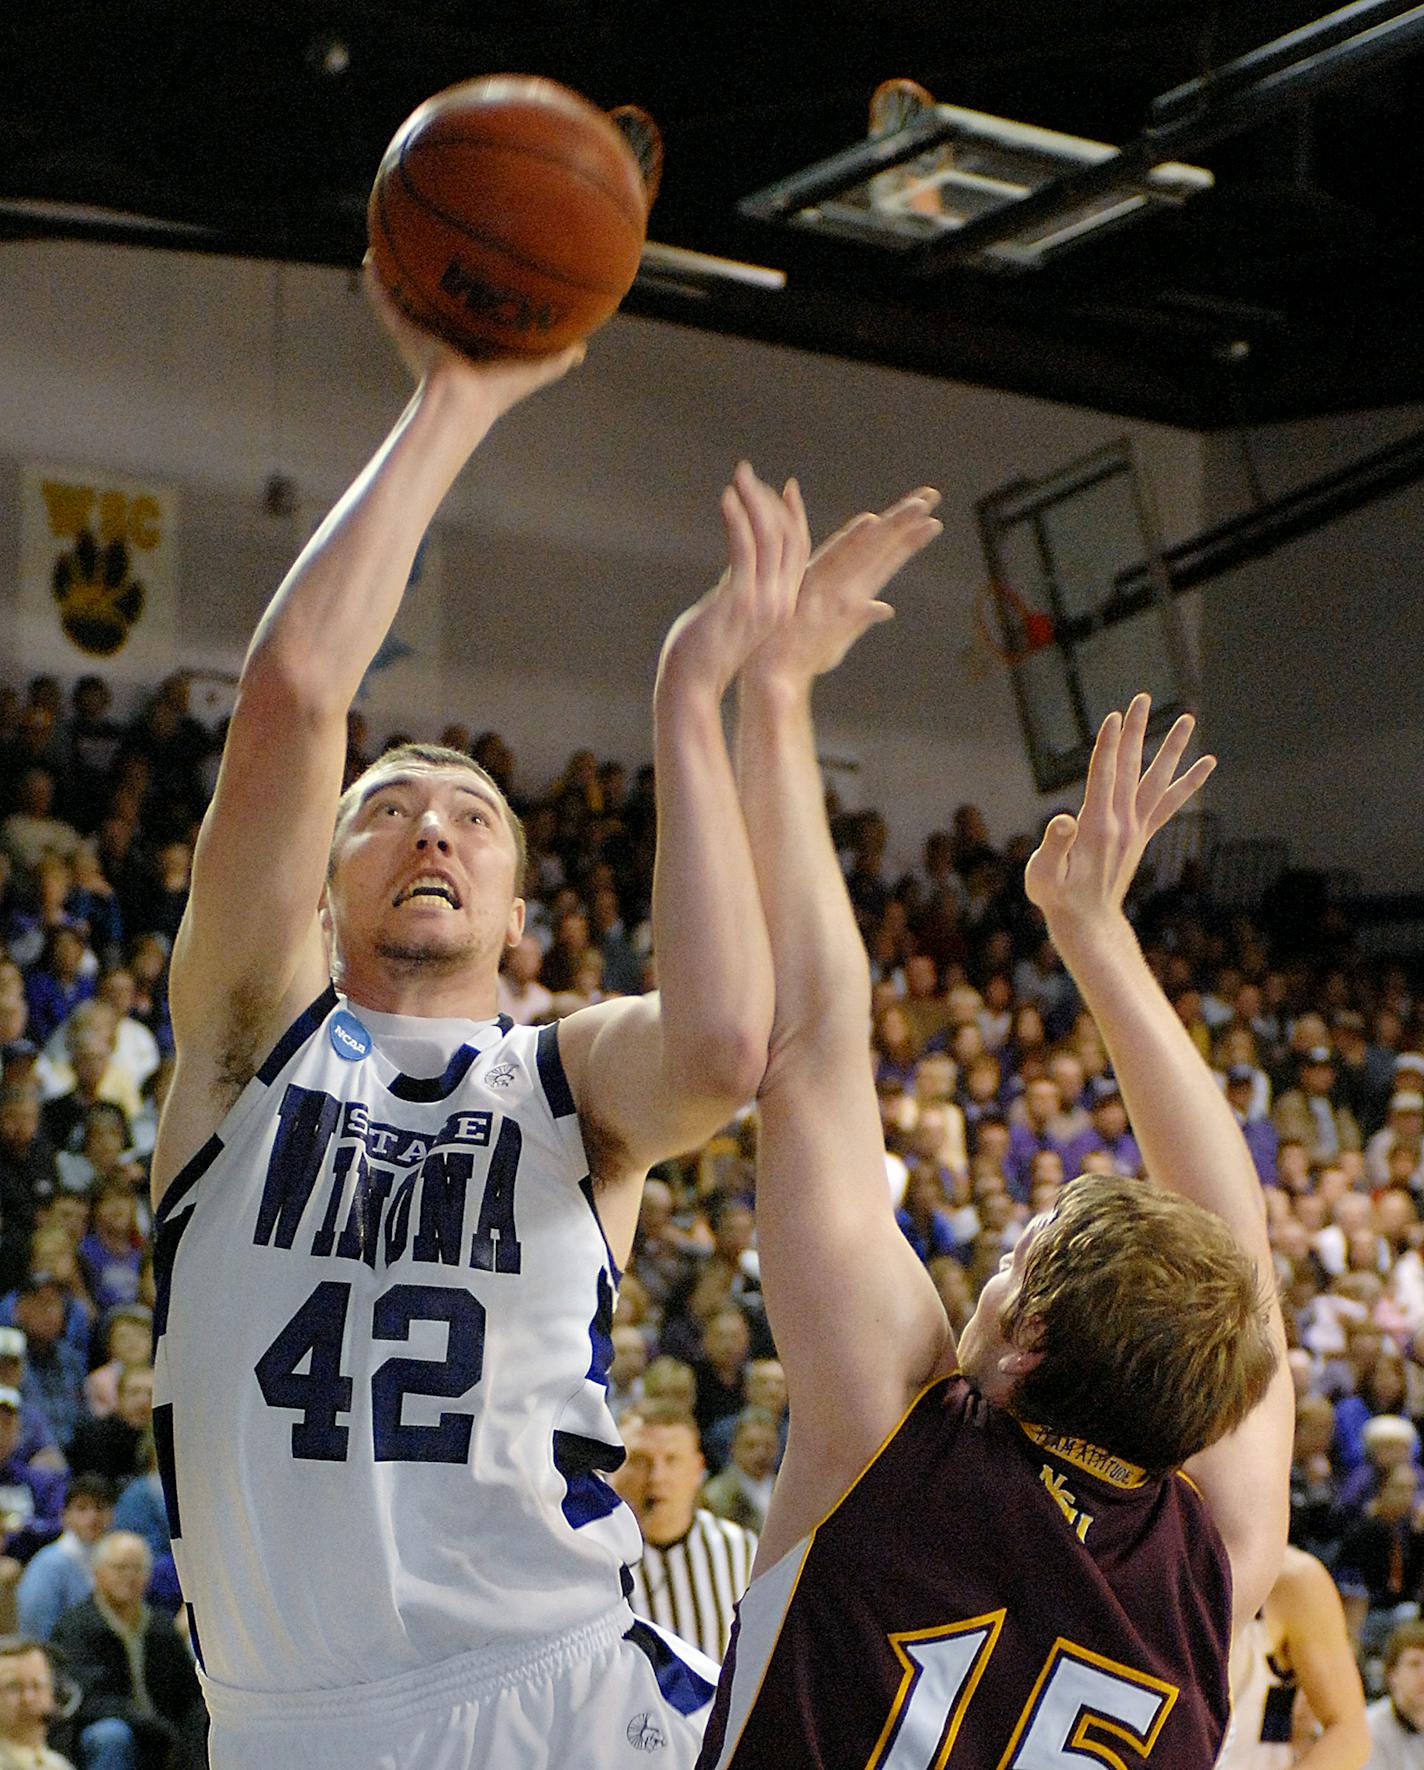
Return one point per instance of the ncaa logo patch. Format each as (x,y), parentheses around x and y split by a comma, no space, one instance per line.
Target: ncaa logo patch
(349,1039)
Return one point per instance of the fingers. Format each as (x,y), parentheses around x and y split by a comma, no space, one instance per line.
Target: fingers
(1102,771)
(791,497)
(1164,765)
(1179,792)
(1129,759)
(1058,841)
(1048,864)
(767,514)
(867,552)
(741,538)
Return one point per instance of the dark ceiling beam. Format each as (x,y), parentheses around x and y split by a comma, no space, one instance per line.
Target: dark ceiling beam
(1236,98)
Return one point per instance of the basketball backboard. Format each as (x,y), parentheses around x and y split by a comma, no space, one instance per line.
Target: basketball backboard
(1081,607)
(928,169)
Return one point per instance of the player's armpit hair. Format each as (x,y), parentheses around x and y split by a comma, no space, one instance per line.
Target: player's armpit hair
(249,1012)
(1148,1312)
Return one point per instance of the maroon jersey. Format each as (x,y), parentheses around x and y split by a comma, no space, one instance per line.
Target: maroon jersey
(987,1596)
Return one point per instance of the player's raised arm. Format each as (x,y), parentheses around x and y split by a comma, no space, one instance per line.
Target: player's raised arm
(1189,1137)
(857,1321)
(656,1075)
(1318,1647)
(249,953)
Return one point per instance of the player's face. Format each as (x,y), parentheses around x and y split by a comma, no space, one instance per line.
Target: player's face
(424,870)
(993,1362)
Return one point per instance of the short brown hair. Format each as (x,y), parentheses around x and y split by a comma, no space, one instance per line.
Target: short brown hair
(1407,1635)
(1149,1314)
(436,756)
(657,1411)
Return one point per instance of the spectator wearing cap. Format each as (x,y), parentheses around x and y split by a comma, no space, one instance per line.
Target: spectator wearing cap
(62,1574)
(37,1439)
(1404,1128)
(58,1230)
(1260,1134)
(31,1497)
(1108,1132)
(1308,1112)
(55,1369)
(1237,1046)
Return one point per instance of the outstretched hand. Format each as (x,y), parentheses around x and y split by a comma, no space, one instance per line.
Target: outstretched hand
(768,545)
(495,382)
(1084,864)
(840,591)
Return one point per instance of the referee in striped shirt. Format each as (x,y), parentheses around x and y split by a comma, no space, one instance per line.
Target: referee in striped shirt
(695,1565)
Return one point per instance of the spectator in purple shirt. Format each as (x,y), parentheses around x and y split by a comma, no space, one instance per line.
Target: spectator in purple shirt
(1032,1132)
(58,984)
(1260,1134)
(1109,1132)
(31,1497)
(924,1217)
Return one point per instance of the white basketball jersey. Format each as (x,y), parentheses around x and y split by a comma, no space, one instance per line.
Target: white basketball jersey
(383,1310)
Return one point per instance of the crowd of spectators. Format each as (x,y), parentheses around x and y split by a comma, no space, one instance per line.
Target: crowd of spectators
(993,1083)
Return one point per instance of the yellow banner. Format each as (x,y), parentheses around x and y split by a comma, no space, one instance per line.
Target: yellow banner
(98,570)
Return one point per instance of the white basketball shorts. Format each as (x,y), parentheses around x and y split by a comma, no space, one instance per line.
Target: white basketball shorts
(617,1694)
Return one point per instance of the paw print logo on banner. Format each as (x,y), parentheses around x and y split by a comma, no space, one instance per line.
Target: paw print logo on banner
(99,598)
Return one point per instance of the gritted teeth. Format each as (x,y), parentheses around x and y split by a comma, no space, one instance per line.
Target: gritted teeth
(430,885)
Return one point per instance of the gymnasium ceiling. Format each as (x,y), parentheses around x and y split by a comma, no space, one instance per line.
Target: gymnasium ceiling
(1292,288)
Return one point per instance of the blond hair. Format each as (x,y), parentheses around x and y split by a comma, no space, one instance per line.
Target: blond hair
(1151,1320)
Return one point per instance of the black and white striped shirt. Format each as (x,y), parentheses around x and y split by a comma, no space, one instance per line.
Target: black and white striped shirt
(691,1586)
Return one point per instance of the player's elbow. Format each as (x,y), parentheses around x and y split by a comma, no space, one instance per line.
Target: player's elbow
(724,1069)
(285,679)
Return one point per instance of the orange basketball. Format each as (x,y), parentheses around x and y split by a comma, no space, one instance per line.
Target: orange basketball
(507,216)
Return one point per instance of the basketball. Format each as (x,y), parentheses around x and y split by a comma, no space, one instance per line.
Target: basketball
(508,216)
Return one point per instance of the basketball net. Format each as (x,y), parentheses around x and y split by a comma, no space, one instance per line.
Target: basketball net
(894,105)
(1006,632)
